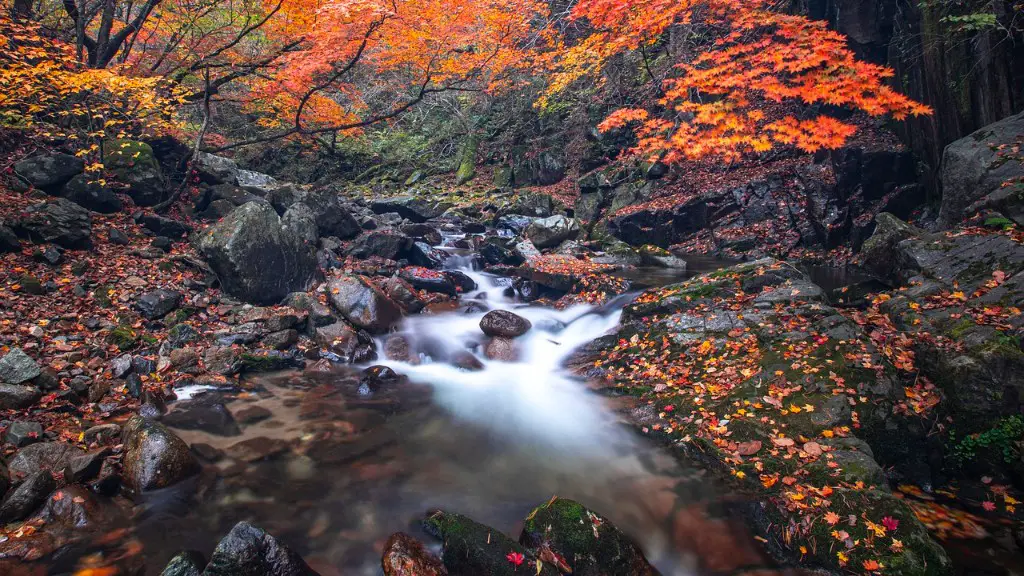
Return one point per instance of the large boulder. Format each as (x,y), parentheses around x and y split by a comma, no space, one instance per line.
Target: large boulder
(134,165)
(52,456)
(58,221)
(333,217)
(552,231)
(213,169)
(504,323)
(363,304)
(972,168)
(257,258)
(49,172)
(92,195)
(154,457)
(473,549)
(586,542)
(386,244)
(250,551)
(410,207)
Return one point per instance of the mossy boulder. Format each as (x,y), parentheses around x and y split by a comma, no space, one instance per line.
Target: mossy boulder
(588,543)
(134,165)
(472,549)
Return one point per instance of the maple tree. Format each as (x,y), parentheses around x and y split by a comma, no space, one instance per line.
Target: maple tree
(751,82)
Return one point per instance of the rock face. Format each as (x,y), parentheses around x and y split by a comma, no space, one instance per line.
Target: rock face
(474,549)
(17,367)
(250,551)
(363,304)
(406,556)
(256,258)
(59,221)
(588,543)
(552,231)
(51,172)
(134,165)
(504,323)
(971,169)
(154,457)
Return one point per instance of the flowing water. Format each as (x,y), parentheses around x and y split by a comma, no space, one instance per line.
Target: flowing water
(491,444)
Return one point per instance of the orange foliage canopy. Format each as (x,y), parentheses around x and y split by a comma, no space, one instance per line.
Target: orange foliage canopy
(734,95)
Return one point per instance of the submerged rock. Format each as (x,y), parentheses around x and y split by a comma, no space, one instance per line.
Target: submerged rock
(586,542)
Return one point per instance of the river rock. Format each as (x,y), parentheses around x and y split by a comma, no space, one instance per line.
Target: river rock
(280,340)
(504,324)
(206,413)
(319,314)
(339,338)
(424,232)
(250,551)
(471,548)
(27,496)
(503,349)
(21,433)
(423,278)
(552,231)
(410,207)
(154,457)
(971,168)
(407,556)
(58,221)
(423,254)
(49,172)
(363,304)
(386,244)
(16,367)
(376,377)
(403,294)
(188,563)
(52,456)
(158,303)
(92,195)
(588,543)
(256,258)
(301,218)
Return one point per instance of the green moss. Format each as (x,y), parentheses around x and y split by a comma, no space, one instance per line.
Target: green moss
(182,314)
(30,284)
(961,328)
(1000,441)
(123,337)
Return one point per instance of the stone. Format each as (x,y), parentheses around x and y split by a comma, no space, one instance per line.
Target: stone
(257,449)
(319,314)
(589,544)
(188,563)
(467,361)
(181,334)
(185,360)
(121,366)
(338,338)
(256,258)
(332,216)
(376,377)
(423,254)
(386,244)
(17,367)
(971,168)
(423,278)
(49,172)
(503,349)
(162,225)
(504,323)
(92,195)
(51,255)
(162,243)
(27,496)
(281,340)
(52,456)
(154,457)
(134,164)
(552,231)
(473,548)
(21,433)
(411,208)
(250,551)
(301,219)
(403,294)
(424,232)
(213,169)
(397,348)
(85,467)
(363,304)
(57,221)
(205,412)
(526,251)
(8,239)
(406,556)
(158,303)
(118,237)
(878,254)
(252,414)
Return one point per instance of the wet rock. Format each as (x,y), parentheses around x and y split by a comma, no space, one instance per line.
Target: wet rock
(283,321)
(397,348)
(403,294)
(588,543)
(526,251)
(121,366)
(503,349)
(98,390)
(363,304)
(206,413)
(270,361)
(319,314)
(52,456)
(410,207)
(154,457)
(102,433)
(21,433)
(86,466)
(158,303)
(424,232)
(406,556)
(252,414)
(27,496)
(188,563)
(249,551)
(376,377)
(655,256)
(92,195)
(207,452)
(223,360)
(426,279)
(386,244)
(162,225)
(16,367)
(467,361)
(185,360)
(504,323)
(256,449)
(552,231)
(423,254)
(49,172)
(463,283)
(180,335)
(339,338)
(280,340)
(256,258)
(528,289)
(58,221)
(471,548)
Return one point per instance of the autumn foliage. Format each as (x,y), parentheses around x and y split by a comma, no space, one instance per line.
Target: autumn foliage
(755,79)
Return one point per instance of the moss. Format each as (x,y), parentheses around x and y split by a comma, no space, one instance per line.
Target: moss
(473,548)
(123,337)
(182,314)
(102,295)
(30,284)
(265,362)
(961,328)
